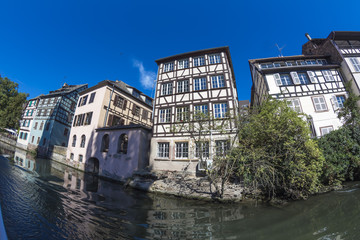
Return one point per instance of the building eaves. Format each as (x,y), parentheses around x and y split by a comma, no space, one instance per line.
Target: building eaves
(133,126)
(192,53)
(344,35)
(121,86)
(279,59)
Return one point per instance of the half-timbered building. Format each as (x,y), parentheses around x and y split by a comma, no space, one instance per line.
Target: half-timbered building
(310,84)
(52,122)
(188,84)
(343,47)
(111,130)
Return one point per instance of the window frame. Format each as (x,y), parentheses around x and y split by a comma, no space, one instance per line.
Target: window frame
(219,81)
(166,89)
(185,63)
(198,61)
(200,84)
(215,58)
(183,86)
(326,127)
(184,150)
(165,114)
(315,104)
(165,150)
(168,67)
(182,113)
(220,111)
(293,107)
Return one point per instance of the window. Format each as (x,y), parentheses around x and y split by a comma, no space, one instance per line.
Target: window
(266,65)
(120,102)
(148,101)
(303,77)
(294,104)
(39,112)
(136,93)
(183,86)
(136,110)
(80,158)
(164,115)
(300,62)
(181,150)
(214,58)
(145,114)
(311,62)
(290,64)
(47,126)
(200,84)
(123,144)
(199,61)
(163,150)
(220,110)
(32,139)
(326,130)
(66,131)
(202,150)
(218,81)
(182,114)
(166,88)
(72,156)
(328,76)
(201,110)
(41,126)
(338,101)
(92,97)
(84,100)
(319,103)
(38,140)
(73,141)
(222,147)
(355,62)
(82,143)
(80,100)
(36,124)
(321,61)
(44,141)
(285,79)
(312,76)
(88,118)
(184,63)
(105,143)
(72,107)
(168,67)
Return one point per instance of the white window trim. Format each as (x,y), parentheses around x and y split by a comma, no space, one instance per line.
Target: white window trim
(356,64)
(319,104)
(293,105)
(222,109)
(165,147)
(326,130)
(183,146)
(328,76)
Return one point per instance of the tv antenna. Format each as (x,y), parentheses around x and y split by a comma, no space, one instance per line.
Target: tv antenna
(280,49)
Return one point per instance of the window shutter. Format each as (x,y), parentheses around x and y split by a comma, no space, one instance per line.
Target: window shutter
(110,120)
(116,100)
(124,104)
(295,77)
(312,76)
(335,102)
(134,109)
(277,79)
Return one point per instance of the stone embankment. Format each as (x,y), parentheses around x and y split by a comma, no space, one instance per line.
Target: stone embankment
(183,185)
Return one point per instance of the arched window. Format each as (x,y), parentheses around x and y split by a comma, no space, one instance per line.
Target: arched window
(82,144)
(123,144)
(74,141)
(105,143)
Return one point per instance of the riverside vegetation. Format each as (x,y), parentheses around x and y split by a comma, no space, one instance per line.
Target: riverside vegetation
(274,156)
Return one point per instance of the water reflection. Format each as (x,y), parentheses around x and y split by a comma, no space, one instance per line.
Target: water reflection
(42,199)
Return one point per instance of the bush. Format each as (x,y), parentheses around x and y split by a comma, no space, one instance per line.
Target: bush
(341,149)
(276,154)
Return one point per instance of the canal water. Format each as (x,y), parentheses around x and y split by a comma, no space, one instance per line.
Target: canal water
(41,199)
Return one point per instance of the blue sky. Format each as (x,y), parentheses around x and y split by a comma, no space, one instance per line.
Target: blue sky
(46,43)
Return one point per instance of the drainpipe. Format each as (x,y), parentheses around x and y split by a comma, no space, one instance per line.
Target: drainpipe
(107,110)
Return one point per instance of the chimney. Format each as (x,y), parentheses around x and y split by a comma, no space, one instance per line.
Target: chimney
(308,36)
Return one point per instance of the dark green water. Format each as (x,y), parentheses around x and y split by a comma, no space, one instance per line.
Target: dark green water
(41,199)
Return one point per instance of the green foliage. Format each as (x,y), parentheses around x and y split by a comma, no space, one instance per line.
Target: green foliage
(11,103)
(276,154)
(350,113)
(341,149)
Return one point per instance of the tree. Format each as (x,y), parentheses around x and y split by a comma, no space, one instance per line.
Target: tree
(350,113)
(11,103)
(276,155)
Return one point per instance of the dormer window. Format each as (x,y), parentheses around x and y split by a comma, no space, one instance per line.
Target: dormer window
(136,93)
(266,65)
